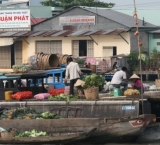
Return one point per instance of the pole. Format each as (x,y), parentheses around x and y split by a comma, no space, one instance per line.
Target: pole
(139,49)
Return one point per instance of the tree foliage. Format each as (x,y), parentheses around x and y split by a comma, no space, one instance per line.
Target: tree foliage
(70,3)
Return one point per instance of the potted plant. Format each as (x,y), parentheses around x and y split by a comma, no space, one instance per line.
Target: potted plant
(133,62)
(154,56)
(93,84)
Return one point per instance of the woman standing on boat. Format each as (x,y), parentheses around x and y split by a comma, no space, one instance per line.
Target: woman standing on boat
(137,84)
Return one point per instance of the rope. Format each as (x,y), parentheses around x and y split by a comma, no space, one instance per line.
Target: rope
(139,44)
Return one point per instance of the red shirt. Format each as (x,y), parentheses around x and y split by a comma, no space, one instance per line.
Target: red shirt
(137,84)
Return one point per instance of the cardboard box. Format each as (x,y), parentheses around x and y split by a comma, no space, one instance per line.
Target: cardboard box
(51,87)
(157,83)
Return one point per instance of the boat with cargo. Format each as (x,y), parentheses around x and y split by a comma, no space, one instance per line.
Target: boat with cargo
(97,130)
(114,120)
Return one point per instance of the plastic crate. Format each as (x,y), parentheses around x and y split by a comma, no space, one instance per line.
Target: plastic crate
(108,78)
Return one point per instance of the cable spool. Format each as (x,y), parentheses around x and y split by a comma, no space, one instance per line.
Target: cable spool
(64,60)
(60,57)
(46,61)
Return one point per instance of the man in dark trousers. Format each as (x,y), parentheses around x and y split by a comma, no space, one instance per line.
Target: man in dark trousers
(73,72)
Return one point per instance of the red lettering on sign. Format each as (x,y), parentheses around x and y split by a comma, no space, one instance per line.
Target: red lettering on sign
(21,18)
(15,18)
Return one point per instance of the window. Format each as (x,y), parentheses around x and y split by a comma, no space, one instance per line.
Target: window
(49,46)
(18,52)
(11,55)
(156,35)
(158,43)
(5,59)
(90,50)
(83,48)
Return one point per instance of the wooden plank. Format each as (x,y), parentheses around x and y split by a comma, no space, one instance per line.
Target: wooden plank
(27,74)
(135,97)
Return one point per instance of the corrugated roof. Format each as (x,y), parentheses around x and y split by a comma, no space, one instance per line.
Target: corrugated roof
(79,33)
(111,14)
(143,13)
(7,34)
(36,20)
(156,31)
(118,17)
(58,33)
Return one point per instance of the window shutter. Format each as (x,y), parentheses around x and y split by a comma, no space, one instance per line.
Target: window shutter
(56,47)
(76,48)
(42,46)
(5,59)
(90,48)
(18,52)
(49,47)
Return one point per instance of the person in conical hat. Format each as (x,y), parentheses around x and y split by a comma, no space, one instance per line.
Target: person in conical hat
(79,83)
(137,83)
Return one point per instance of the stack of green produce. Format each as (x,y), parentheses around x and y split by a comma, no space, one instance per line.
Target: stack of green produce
(21,68)
(63,97)
(26,113)
(94,81)
(47,115)
(32,133)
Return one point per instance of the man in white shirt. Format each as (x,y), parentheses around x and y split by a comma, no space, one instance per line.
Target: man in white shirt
(73,72)
(120,79)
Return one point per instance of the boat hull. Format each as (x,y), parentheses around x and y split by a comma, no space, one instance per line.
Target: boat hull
(151,134)
(114,130)
(63,138)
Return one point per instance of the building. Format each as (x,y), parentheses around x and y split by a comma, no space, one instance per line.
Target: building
(145,14)
(106,33)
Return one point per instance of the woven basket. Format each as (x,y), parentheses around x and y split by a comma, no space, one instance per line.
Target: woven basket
(7,134)
(91,93)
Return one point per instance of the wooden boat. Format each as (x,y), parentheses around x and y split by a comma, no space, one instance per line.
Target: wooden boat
(114,130)
(151,134)
(55,138)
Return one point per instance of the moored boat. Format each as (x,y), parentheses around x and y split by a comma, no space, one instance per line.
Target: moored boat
(55,138)
(151,134)
(107,130)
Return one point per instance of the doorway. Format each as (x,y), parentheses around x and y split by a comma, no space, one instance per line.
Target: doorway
(82,48)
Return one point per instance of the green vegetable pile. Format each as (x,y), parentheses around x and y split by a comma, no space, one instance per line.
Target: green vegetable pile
(32,133)
(63,97)
(47,115)
(19,113)
(27,113)
(94,81)
(20,68)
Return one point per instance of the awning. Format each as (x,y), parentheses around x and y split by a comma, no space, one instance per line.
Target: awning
(64,33)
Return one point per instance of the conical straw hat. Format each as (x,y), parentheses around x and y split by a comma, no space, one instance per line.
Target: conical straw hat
(79,83)
(134,76)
